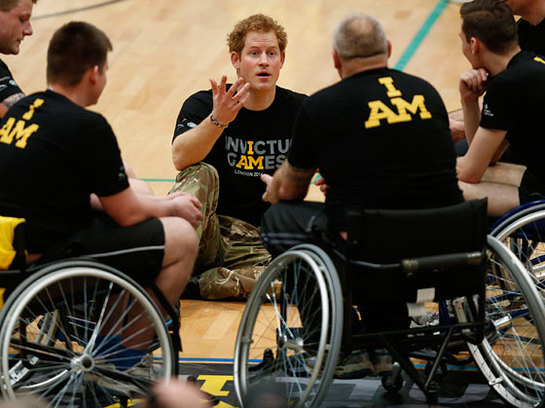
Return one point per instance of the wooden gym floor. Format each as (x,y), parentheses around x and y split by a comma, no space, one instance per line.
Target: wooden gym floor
(164,50)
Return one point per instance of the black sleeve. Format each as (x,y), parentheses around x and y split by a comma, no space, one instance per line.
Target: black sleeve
(195,108)
(498,109)
(303,148)
(8,86)
(102,163)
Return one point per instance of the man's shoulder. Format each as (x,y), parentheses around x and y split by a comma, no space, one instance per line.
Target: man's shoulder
(3,66)
(200,99)
(288,93)
(287,97)
(68,111)
(204,94)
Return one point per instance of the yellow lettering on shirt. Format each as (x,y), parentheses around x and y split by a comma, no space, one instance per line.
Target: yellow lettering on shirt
(255,162)
(379,111)
(250,162)
(538,59)
(388,82)
(22,133)
(416,105)
(28,114)
(243,162)
(5,132)
(405,110)
(18,132)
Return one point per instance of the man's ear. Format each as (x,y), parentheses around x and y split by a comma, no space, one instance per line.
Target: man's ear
(92,73)
(389,48)
(336,59)
(235,60)
(282,58)
(475,45)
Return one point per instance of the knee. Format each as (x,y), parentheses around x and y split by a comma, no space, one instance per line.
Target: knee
(180,238)
(199,174)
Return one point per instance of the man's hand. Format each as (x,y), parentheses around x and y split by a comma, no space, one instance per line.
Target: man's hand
(228,103)
(186,206)
(267,179)
(320,182)
(473,84)
(178,394)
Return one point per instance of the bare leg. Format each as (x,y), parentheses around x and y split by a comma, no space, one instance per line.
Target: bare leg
(504,173)
(181,247)
(501,197)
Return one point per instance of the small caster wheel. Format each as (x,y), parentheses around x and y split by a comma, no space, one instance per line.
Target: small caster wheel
(392,383)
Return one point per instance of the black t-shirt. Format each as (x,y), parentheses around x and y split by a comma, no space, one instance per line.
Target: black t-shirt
(256,142)
(8,86)
(531,38)
(53,155)
(381,140)
(514,102)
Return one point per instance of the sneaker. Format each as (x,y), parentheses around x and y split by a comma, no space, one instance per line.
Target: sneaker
(354,365)
(382,361)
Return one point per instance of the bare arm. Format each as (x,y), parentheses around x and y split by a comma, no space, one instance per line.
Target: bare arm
(127,208)
(288,183)
(9,102)
(488,145)
(196,143)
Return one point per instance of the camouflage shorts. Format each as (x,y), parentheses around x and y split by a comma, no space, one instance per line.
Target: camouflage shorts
(231,256)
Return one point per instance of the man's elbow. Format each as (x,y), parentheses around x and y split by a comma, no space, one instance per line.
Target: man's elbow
(177,160)
(469,177)
(290,194)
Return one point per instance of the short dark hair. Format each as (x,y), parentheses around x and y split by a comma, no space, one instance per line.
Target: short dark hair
(492,22)
(74,48)
(7,5)
(258,23)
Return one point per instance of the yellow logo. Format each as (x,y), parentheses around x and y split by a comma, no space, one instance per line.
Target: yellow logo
(405,109)
(19,131)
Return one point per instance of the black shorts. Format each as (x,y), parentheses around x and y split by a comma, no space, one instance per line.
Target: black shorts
(531,189)
(137,250)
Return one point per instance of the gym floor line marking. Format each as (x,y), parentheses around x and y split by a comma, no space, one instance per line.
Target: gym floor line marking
(421,34)
(158,180)
(76,10)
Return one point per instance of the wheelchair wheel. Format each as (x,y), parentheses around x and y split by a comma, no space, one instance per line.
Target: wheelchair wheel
(290,333)
(512,356)
(524,234)
(82,334)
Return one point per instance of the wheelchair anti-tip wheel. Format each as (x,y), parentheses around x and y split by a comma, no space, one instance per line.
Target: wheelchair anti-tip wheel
(512,357)
(82,334)
(290,333)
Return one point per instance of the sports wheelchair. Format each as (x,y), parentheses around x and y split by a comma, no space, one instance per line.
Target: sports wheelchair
(299,316)
(522,230)
(80,333)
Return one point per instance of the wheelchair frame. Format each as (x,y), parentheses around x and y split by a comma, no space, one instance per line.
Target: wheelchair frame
(274,346)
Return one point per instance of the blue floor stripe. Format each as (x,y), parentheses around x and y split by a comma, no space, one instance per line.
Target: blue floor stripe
(421,34)
(158,180)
